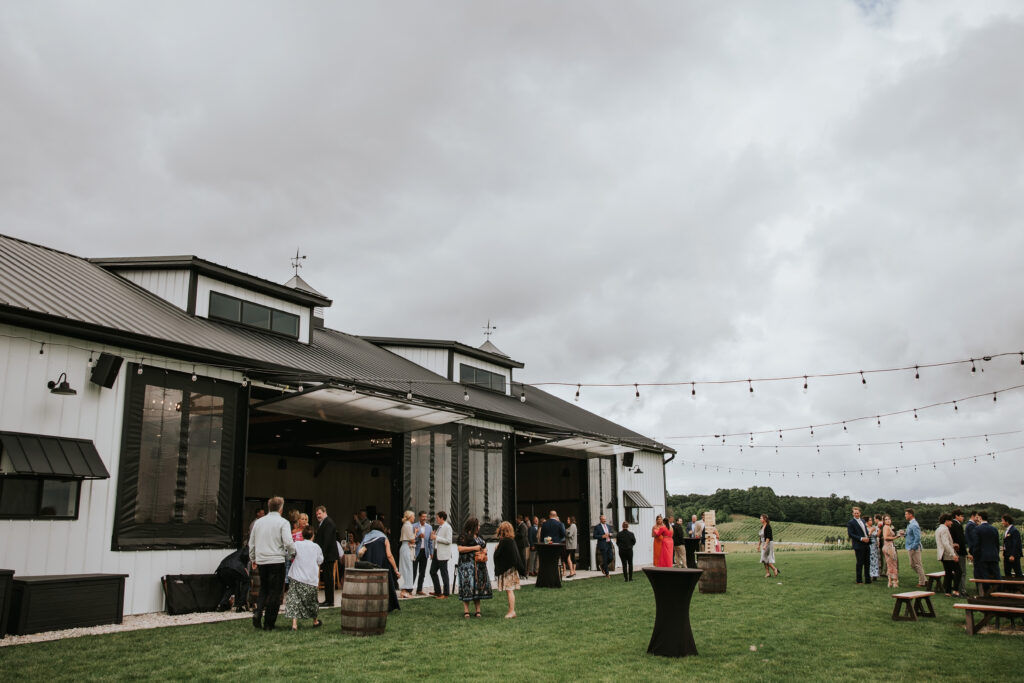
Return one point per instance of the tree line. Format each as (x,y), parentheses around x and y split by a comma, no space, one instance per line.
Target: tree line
(832,510)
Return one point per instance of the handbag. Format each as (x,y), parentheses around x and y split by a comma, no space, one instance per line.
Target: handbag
(480,555)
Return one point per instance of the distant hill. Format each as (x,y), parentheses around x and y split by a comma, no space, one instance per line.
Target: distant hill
(744,528)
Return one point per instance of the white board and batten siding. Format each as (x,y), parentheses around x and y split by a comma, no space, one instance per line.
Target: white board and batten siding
(435,360)
(82,546)
(205,285)
(170,285)
(650,483)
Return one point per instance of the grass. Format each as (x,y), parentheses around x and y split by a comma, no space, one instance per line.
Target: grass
(811,623)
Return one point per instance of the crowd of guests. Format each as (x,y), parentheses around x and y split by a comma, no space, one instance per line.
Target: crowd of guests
(668,534)
(956,544)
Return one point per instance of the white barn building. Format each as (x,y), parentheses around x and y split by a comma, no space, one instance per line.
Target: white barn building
(201,391)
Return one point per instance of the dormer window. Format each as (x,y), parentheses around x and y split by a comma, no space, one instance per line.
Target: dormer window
(224,307)
(481,378)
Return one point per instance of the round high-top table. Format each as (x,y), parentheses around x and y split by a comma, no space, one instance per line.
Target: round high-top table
(547,571)
(692,548)
(673,588)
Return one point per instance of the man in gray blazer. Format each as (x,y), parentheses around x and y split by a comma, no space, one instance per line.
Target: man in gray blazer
(442,538)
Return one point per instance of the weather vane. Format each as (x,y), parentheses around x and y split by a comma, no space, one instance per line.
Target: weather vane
(297,261)
(489,329)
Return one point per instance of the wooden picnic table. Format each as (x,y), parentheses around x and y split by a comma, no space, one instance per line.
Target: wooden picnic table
(912,600)
(986,586)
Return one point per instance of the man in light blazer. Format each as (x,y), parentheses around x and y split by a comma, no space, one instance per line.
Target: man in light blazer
(442,538)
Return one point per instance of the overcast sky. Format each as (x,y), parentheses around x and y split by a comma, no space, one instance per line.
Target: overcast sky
(632,192)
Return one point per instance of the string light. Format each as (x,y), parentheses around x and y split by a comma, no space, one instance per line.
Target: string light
(693,387)
(917,372)
(955,403)
(637,387)
(862,380)
(828,473)
(973,369)
(867,444)
(577,393)
(465,394)
(751,385)
(805,384)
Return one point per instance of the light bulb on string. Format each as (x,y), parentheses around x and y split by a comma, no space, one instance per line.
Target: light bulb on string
(780,435)
(194,376)
(805,384)
(862,380)
(955,408)
(844,426)
(973,368)
(812,430)
(994,396)
(917,372)
(465,394)
(751,437)
(751,385)
(879,418)
(522,396)
(915,413)
(637,387)
(577,393)
(693,390)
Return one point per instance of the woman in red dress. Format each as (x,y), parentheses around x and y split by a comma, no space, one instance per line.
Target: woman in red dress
(662,534)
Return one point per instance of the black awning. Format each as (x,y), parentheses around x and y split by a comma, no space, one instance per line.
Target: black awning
(634,499)
(50,456)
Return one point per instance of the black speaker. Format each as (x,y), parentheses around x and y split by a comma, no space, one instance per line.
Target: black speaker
(627,459)
(104,372)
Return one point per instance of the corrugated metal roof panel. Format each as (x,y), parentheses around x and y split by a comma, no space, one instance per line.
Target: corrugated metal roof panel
(61,286)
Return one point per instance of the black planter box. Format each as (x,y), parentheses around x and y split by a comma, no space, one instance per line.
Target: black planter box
(6,578)
(187,593)
(51,603)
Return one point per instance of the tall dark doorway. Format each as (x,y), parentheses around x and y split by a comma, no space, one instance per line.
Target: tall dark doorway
(550,482)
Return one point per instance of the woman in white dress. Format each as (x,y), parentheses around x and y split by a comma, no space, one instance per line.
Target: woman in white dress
(408,540)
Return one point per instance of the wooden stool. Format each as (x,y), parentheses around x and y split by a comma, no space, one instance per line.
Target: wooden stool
(935,580)
(914,608)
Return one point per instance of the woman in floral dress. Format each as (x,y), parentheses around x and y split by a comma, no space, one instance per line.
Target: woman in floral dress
(471,572)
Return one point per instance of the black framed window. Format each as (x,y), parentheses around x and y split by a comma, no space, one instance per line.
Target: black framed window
(224,307)
(481,378)
(182,462)
(39,498)
(633,515)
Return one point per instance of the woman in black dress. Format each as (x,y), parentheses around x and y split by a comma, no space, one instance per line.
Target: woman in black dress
(508,565)
(471,572)
(376,550)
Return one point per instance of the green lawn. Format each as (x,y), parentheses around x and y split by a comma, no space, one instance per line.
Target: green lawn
(811,623)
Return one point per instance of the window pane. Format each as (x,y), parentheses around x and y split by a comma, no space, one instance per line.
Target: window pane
(498,382)
(225,307)
(285,323)
(59,498)
(205,441)
(486,482)
(19,496)
(255,315)
(467,374)
(158,455)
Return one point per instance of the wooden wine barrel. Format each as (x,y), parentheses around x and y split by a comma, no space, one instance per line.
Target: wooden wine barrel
(364,602)
(713,579)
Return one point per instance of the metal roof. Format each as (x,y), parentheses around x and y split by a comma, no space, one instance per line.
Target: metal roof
(482,353)
(50,290)
(300,293)
(38,455)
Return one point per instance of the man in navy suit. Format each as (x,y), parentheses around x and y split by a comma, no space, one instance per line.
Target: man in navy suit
(986,554)
(858,533)
(603,534)
(1011,549)
(972,541)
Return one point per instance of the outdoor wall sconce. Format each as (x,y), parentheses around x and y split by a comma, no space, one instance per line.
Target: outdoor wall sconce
(61,386)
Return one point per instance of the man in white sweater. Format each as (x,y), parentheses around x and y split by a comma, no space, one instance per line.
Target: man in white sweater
(270,547)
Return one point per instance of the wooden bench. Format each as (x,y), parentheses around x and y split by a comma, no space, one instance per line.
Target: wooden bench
(1011,597)
(989,612)
(935,580)
(912,600)
(986,586)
